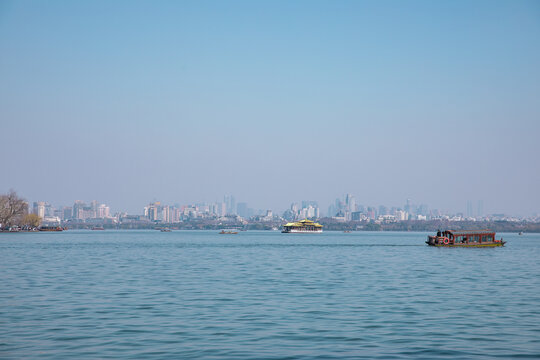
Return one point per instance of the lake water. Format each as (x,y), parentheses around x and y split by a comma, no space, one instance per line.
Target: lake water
(265,295)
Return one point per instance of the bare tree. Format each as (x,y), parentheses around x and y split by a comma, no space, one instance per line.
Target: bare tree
(12,209)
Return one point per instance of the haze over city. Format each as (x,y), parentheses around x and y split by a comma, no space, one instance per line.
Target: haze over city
(270,179)
(274,102)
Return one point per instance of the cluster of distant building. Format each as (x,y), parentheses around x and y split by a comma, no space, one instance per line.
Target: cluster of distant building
(228,208)
(346,209)
(79,212)
(343,209)
(154,212)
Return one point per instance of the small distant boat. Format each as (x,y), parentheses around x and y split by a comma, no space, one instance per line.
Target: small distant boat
(228,232)
(165,230)
(520,233)
(98,228)
(471,238)
(347,231)
(51,228)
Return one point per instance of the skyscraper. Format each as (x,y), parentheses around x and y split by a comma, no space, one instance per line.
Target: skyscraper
(352,204)
(233,206)
(152,211)
(68,212)
(407,207)
(480,208)
(94,206)
(39,209)
(242,209)
(78,209)
(165,214)
(332,210)
(230,203)
(307,203)
(103,211)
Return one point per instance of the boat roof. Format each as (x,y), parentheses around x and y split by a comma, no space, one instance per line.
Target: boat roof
(303,223)
(470,232)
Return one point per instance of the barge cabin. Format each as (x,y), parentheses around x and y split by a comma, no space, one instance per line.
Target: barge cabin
(471,238)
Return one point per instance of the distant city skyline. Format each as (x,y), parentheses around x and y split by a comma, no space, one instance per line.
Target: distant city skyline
(470,208)
(343,206)
(273,102)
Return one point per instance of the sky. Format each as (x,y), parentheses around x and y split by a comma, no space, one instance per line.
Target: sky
(128,102)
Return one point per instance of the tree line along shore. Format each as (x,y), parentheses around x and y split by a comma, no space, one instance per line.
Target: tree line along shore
(330,225)
(14,215)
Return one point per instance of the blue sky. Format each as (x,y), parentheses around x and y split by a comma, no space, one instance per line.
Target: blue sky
(272,101)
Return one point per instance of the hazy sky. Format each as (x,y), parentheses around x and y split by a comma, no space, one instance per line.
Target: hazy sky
(272,101)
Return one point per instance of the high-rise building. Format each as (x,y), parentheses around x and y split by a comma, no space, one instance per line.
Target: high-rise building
(68,212)
(152,211)
(59,213)
(469,209)
(307,203)
(165,214)
(230,202)
(423,210)
(103,211)
(94,209)
(402,215)
(49,210)
(332,210)
(357,216)
(222,207)
(78,210)
(39,209)
(233,206)
(175,215)
(480,208)
(407,207)
(242,209)
(350,203)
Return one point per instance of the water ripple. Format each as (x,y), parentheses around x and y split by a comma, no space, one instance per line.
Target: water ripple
(144,294)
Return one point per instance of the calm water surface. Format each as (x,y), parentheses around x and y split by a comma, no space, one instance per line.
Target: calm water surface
(265,295)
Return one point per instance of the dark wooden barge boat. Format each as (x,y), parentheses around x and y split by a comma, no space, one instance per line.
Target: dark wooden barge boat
(51,228)
(232,232)
(470,238)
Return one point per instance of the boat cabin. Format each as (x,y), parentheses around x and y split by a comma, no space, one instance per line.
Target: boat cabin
(465,238)
(304,226)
